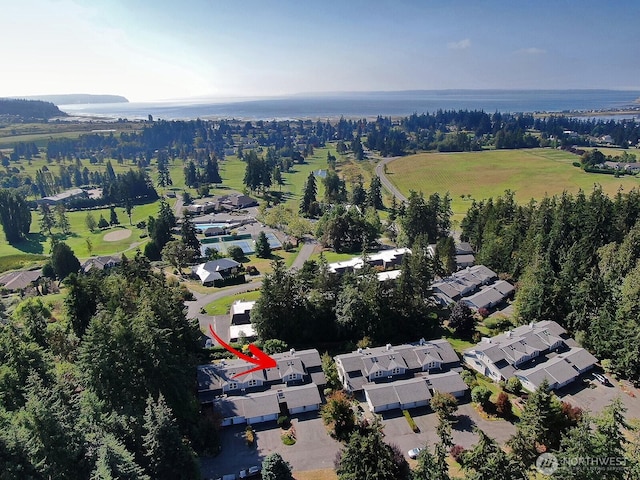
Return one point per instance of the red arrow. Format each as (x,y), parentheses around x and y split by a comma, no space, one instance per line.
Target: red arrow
(261,359)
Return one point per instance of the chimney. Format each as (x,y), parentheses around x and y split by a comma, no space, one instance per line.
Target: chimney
(388,346)
(292,351)
(359,350)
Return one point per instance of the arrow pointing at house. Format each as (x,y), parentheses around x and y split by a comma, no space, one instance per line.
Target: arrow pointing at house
(261,359)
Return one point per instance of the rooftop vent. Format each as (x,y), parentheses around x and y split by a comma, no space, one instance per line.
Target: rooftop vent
(359,350)
(292,351)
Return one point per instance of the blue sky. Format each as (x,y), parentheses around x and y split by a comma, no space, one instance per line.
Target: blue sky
(168,49)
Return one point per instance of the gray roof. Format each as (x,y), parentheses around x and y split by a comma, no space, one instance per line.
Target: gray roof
(401,391)
(257,404)
(357,366)
(300,396)
(220,265)
(448,382)
(20,279)
(463,248)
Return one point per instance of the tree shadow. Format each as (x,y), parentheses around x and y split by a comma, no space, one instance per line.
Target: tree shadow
(464,423)
(34,243)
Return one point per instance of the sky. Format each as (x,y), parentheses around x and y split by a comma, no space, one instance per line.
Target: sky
(150,50)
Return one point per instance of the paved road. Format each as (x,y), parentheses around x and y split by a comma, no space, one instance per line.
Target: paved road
(386,182)
(305,252)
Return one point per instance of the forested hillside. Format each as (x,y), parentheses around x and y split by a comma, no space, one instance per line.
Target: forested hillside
(106,389)
(28,110)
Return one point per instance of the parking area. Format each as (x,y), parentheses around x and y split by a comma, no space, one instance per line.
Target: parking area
(591,395)
(314,448)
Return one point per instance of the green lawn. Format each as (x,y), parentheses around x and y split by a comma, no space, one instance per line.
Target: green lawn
(222,305)
(77,240)
(529,173)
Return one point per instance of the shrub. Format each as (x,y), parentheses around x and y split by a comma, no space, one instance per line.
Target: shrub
(483,312)
(514,385)
(411,421)
(288,439)
(480,395)
(503,405)
(469,378)
(457,453)
(249,436)
(284,422)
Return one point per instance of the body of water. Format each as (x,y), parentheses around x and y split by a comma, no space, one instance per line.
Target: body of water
(368,104)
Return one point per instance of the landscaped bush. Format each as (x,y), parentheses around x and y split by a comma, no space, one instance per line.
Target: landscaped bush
(481,395)
(469,378)
(503,405)
(514,385)
(249,436)
(411,421)
(457,453)
(284,422)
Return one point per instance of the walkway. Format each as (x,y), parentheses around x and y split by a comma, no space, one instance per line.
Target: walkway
(386,182)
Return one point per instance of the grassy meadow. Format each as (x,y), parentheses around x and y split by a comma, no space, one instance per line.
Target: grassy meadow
(529,173)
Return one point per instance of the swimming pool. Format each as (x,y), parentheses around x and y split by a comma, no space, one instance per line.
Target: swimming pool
(204,226)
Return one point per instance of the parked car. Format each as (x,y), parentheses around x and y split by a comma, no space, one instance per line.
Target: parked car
(250,472)
(602,379)
(414,452)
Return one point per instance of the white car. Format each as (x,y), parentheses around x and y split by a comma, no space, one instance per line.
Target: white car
(250,472)
(414,452)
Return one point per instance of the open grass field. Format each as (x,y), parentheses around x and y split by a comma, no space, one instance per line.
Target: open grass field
(39,133)
(77,240)
(529,173)
(222,305)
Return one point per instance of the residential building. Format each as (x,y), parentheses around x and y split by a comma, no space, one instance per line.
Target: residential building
(477,286)
(383,259)
(101,263)
(292,387)
(531,353)
(400,376)
(20,280)
(217,272)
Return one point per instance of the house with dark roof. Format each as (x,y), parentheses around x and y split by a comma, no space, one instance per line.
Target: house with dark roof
(531,353)
(217,272)
(477,286)
(293,386)
(398,376)
(21,279)
(101,263)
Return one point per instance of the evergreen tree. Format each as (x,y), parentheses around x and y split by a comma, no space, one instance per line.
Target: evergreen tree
(113,217)
(263,250)
(274,467)
(487,461)
(15,215)
(102,222)
(115,462)
(47,220)
(168,457)
(62,222)
(366,455)
(309,196)
(461,320)
(188,233)
(374,195)
(538,429)
(63,260)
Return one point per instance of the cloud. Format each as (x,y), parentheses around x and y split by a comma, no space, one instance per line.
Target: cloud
(532,51)
(461,45)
